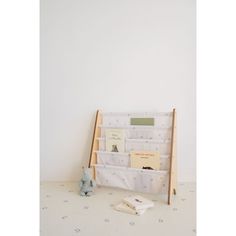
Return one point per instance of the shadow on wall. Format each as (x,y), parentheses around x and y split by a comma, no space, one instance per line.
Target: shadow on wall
(84,160)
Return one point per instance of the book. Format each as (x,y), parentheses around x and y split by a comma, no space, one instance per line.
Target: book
(145,160)
(138,202)
(115,140)
(123,207)
(142,121)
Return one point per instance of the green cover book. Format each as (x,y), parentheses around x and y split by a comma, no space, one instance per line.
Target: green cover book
(142,121)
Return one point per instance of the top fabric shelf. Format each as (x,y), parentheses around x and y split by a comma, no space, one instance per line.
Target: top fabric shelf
(137,121)
(137,114)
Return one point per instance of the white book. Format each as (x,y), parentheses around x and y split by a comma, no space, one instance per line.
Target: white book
(123,207)
(138,202)
(115,140)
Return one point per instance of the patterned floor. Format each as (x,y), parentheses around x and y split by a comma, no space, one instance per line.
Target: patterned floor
(64,213)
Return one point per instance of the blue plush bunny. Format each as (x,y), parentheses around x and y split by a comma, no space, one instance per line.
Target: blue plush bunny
(87,184)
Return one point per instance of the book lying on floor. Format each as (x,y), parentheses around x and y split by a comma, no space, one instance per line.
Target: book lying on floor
(138,202)
(123,207)
(135,205)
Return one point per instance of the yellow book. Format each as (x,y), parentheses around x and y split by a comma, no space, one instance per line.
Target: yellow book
(145,160)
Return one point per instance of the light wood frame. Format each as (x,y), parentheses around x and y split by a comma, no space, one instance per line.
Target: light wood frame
(172,185)
(173,164)
(95,144)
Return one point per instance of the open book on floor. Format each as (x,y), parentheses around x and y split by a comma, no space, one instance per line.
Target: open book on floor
(135,205)
(138,202)
(123,207)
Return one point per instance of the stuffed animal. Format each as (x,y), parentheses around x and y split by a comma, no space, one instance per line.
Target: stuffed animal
(87,184)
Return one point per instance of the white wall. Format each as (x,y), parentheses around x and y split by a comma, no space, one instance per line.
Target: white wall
(125,55)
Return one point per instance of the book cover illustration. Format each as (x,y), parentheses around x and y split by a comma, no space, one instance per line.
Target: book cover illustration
(145,160)
(142,121)
(138,202)
(115,140)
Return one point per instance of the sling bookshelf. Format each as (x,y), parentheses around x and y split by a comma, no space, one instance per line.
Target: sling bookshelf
(113,169)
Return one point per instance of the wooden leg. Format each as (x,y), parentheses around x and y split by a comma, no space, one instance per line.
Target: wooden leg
(172,170)
(95,146)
